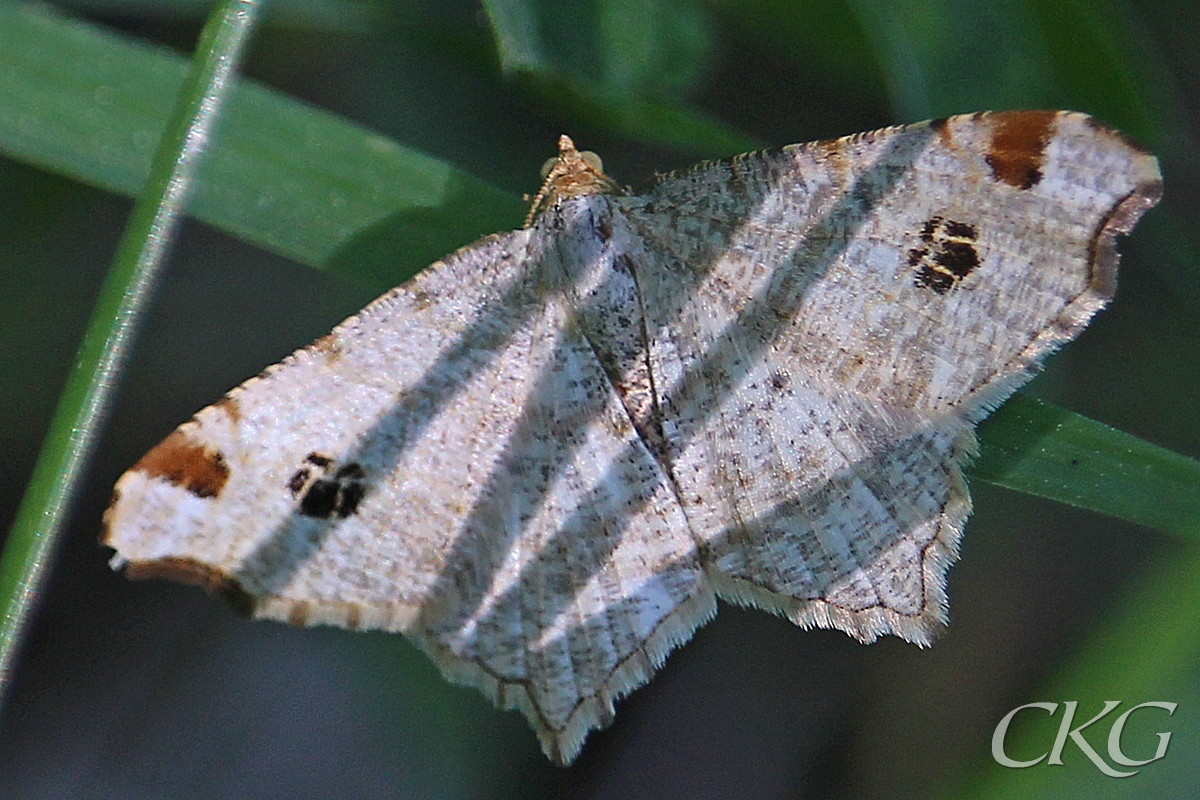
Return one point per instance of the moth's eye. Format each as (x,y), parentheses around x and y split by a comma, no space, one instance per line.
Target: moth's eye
(547,166)
(592,160)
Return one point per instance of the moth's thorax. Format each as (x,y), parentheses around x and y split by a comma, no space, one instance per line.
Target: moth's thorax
(575,238)
(593,260)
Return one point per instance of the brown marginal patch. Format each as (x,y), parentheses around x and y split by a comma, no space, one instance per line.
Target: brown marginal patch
(421,300)
(1102,250)
(230,407)
(941,127)
(195,573)
(184,462)
(299,614)
(1018,146)
(832,152)
(329,346)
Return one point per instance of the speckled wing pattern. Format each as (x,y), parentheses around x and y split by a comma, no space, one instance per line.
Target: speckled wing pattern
(544,457)
(835,321)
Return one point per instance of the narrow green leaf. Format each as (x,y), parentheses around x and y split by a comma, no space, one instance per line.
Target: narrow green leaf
(288,177)
(85,399)
(1034,447)
(326,15)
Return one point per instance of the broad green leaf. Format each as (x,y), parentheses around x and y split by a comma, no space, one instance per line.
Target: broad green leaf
(287,177)
(90,105)
(518,34)
(1096,54)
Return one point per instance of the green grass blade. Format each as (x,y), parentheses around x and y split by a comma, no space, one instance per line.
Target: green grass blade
(83,402)
(287,177)
(1034,447)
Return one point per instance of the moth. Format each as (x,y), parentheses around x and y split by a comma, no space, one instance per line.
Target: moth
(546,456)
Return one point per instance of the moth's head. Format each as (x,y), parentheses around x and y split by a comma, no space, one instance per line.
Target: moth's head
(570,174)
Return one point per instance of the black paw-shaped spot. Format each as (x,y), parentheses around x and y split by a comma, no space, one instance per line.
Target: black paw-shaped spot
(946,254)
(325,490)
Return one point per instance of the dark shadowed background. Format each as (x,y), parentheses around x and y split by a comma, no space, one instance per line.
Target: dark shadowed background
(150,690)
